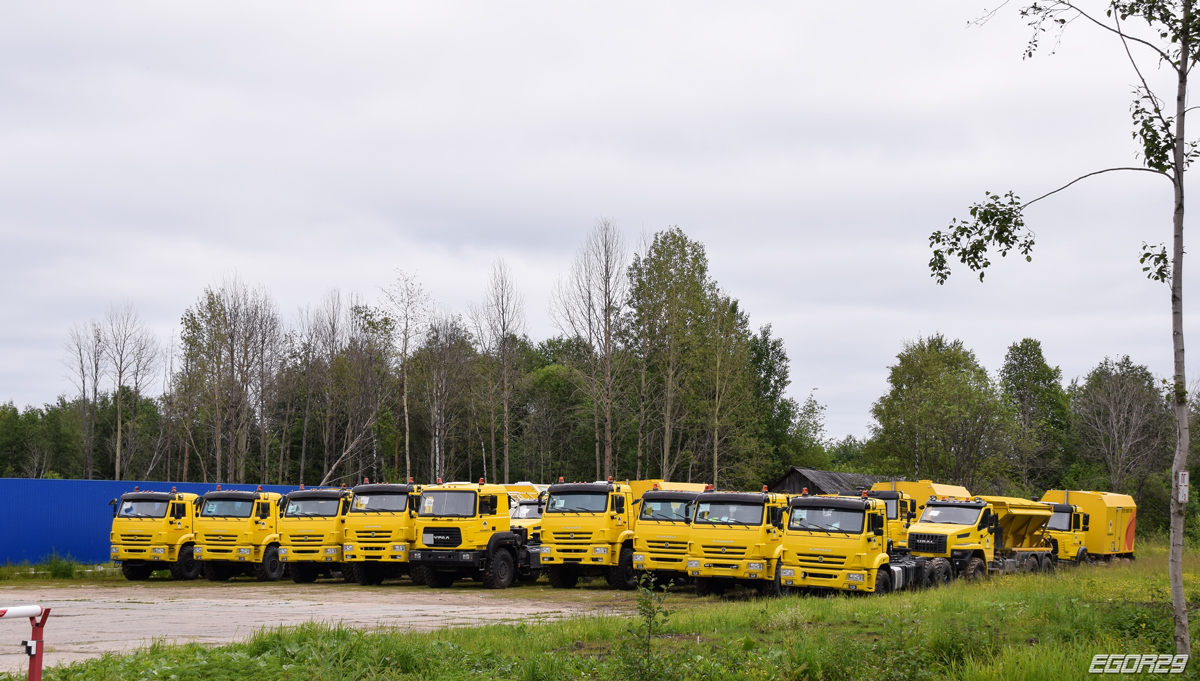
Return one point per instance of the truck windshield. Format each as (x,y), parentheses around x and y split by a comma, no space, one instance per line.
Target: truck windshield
(375,503)
(446,503)
(526,511)
(891,508)
(227,508)
(826,519)
(729,514)
(1060,522)
(143,509)
(304,508)
(952,515)
(577,502)
(674,510)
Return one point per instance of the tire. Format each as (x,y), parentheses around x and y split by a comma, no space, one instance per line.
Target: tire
(270,569)
(622,576)
(939,572)
(1032,565)
(303,573)
(350,571)
(186,568)
(776,588)
(417,574)
(136,573)
(561,577)
(883,581)
(702,585)
(500,571)
(438,580)
(976,569)
(1048,563)
(368,574)
(215,571)
(1084,558)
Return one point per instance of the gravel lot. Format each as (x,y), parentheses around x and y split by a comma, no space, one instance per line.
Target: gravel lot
(90,619)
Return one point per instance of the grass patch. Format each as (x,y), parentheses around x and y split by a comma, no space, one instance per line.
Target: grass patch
(57,568)
(1013,627)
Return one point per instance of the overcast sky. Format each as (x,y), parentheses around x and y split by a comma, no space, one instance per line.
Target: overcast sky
(150,149)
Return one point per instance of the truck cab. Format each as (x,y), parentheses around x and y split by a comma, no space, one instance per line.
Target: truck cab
(1105,528)
(154,531)
(463,531)
(1067,529)
(736,538)
(587,531)
(979,537)
(238,533)
(311,529)
(660,538)
(380,530)
(901,510)
(527,513)
(841,543)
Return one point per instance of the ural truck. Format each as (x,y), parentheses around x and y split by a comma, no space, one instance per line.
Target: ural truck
(380,531)
(463,531)
(982,536)
(311,530)
(238,533)
(737,538)
(1091,526)
(660,538)
(154,531)
(841,543)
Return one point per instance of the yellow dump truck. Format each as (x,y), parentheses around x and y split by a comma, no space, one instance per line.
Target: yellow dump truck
(379,532)
(737,538)
(311,530)
(1091,526)
(662,532)
(841,543)
(238,533)
(587,531)
(463,531)
(982,536)
(154,531)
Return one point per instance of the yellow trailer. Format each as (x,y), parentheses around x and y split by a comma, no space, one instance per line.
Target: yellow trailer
(1105,531)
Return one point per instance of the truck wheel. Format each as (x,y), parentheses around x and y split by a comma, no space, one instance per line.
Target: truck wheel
(1048,563)
(883,581)
(136,573)
(939,572)
(350,571)
(776,588)
(186,568)
(499,572)
(270,569)
(303,573)
(438,580)
(417,574)
(703,586)
(622,575)
(1084,558)
(561,577)
(1032,564)
(976,569)
(215,571)
(368,574)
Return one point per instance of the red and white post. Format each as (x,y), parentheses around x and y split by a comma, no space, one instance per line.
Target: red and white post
(35,645)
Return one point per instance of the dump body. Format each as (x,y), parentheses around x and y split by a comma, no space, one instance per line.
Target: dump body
(984,535)
(238,532)
(311,530)
(735,538)
(587,530)
(464,531)
(380,531)
(1111,520)
(923,489)
(154,531)
(660,538)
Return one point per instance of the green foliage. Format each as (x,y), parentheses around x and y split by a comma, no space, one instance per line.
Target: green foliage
(1043,417)
(635,653)
(998,222)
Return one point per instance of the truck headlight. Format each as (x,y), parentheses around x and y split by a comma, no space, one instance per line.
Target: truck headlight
(852,577)
(114,550)
(282,551)
(399,548)
(331,550)
(601,549)
(197,549)
(787,572)
(693,563)
(244,552)
(542,549)
(755,566)
(639,557)
(416,555)
(160,549)
(348,548)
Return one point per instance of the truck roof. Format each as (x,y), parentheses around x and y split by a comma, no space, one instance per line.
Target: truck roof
(149,496)
(734,497)
(318,494)
(851,503)
(604,487)
(681,495)
(385,488)
(231,494)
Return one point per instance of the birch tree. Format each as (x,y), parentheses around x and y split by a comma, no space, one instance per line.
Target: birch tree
(131,354)
(86,353)
(504,311)
(410,304)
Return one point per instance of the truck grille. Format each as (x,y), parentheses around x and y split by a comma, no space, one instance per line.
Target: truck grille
(730,551)
(669,547)
(220,538)
(305,538)
(927,543)
(134,538)
(567,537)
(820,559)
(373,535)
(441,536)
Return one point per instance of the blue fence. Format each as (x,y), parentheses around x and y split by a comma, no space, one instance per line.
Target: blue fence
(72,517)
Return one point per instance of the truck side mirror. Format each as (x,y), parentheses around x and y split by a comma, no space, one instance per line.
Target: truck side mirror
(115,506)
(1087,517)
(877,525)
(777,517)
(619,504)
(178,511)
(264,511)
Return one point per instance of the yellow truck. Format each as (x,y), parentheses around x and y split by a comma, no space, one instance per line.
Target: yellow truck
(587,531)
(900,509)
(662,532)
(737,538)
(526,513)
(238,533)
(154,531)
(983,536)
(842,543)
(311,532)
(380,531)
(1091,526)
(463,531)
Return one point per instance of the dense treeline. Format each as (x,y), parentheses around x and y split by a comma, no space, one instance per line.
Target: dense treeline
(655,372)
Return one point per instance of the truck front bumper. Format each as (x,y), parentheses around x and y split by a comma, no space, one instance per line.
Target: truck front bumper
(143,552)
(447,558)
(234,553)
(361,552)
(660,562)
(749,568)
(310,554)
(822,578)
(604,555)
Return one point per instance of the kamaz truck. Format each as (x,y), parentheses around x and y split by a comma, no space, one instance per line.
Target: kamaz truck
(154,531)
(660,538)
(311,530)
(841,543)
(587,531)
(379,532)
(983,536)
(737,538)
(463,531)
(238,533)
(1091,526)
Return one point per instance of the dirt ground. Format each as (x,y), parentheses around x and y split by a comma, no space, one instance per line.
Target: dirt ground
(90,619)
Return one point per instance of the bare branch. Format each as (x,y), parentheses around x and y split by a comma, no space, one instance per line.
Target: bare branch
(1084,177)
